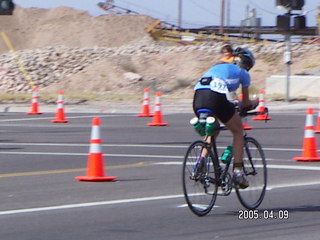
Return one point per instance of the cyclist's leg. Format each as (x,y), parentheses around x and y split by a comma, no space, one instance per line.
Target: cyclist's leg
(235,126)
(201,161)
(201,100)
(204,152)
(225,111)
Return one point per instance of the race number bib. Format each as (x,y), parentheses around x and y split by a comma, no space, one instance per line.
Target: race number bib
(218,85)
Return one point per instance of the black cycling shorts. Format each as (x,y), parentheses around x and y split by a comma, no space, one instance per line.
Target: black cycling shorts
(216,102)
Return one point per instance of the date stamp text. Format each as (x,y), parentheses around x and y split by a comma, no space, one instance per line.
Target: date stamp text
(263,214)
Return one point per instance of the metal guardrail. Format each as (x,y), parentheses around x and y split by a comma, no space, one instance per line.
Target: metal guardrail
(173,35)
(193,36)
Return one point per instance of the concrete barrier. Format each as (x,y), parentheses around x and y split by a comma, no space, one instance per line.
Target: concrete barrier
(300,86)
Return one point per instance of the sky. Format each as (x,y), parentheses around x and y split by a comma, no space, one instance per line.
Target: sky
(195,13)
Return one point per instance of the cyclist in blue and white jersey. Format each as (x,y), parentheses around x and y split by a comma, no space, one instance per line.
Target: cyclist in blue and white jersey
(211,93)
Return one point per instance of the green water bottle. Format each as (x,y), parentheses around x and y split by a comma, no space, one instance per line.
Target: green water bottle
(210,126)
(227,155)
(199,127)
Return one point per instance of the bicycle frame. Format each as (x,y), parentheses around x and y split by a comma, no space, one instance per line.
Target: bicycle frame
(222,172)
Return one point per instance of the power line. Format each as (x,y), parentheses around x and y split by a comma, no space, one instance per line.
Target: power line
(173,20)
(262,9)
(140,7)
(202,5)
(212,13)
(204,9)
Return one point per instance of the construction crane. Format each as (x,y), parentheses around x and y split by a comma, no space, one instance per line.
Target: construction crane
(111,8)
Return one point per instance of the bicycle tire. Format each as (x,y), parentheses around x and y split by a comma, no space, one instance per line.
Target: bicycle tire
(255,170)
(200,191)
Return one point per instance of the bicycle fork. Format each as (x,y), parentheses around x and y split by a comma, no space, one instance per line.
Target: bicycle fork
(246,171)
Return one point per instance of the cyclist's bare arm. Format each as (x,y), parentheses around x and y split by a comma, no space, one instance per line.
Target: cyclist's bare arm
(247,103)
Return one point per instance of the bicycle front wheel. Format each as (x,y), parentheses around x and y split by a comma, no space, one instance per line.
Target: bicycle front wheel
(255,170)
(199,179)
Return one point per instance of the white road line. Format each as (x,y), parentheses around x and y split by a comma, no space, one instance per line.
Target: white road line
(288,185)
(186,205)
(311,168)
(115,155)
(90,204)
(133,200)
(83,144)
(133,145)
(42,153)
(274,166)
(71,117)
(82,154)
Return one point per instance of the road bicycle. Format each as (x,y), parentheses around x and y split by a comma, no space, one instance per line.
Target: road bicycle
(202,177)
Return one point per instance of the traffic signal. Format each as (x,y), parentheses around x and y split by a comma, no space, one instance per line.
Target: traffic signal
(6,7)
(299,22)
(290,4)
(283,22)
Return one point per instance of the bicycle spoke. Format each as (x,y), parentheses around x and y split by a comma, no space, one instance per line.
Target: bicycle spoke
(199,187)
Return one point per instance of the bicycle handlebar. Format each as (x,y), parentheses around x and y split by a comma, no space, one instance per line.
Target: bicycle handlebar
(243,112)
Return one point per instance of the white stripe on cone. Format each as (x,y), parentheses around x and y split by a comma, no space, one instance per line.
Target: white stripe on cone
(95,148)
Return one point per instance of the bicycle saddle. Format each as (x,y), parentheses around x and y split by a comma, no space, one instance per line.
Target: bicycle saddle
(203,113)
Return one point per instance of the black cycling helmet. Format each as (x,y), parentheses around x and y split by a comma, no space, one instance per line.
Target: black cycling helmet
(244,58)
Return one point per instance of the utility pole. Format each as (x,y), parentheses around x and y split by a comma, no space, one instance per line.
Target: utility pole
(221,30)
(179,13)
(318,21)
(288,62)
(228,12)
(284,23)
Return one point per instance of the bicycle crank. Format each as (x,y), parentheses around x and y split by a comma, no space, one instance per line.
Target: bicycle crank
(226,184)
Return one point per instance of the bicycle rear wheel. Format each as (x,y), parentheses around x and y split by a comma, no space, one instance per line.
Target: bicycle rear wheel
(199,186)
(255,170)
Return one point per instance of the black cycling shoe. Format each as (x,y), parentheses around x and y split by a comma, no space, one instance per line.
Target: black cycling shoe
(239,180)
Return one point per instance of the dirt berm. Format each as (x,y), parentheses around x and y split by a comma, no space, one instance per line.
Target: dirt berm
(64,48)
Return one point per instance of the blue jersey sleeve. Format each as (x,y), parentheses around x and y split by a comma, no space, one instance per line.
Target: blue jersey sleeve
(245,78)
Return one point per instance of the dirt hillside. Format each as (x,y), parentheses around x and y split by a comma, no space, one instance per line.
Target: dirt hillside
(31,28)
(64,48)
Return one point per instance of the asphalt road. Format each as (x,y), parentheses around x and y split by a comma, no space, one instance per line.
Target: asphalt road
(41,199)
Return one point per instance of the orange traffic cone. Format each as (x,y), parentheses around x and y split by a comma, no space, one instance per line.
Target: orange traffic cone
(145,105)
(310,142)
(318,122)
(246,126)
(34,103)
(157,118)
(261,108)
(95,170)
(60,116)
